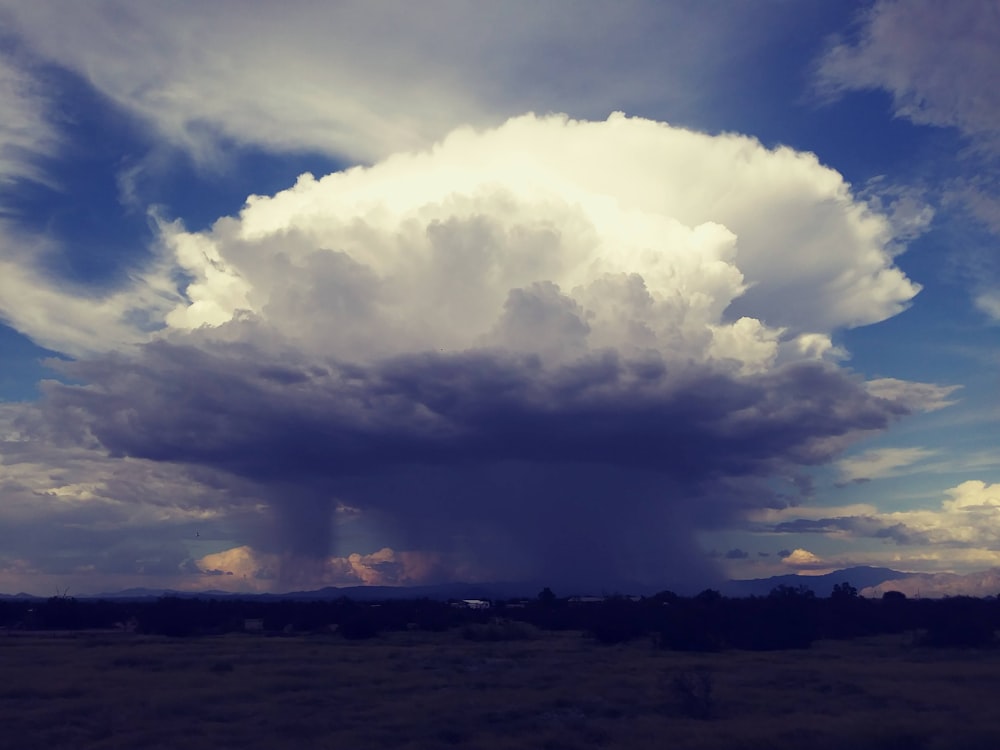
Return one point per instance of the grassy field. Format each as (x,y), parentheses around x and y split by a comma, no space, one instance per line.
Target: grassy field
(422,690)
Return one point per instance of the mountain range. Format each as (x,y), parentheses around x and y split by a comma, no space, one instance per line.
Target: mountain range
(869,581)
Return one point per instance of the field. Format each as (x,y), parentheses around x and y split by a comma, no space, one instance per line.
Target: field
(438,690)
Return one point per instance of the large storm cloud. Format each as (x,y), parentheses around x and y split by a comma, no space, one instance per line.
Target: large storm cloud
(553,350)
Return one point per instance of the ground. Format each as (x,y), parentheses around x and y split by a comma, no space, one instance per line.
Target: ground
(556,691)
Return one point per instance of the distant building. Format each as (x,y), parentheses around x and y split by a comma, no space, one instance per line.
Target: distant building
(253,625)
(471,604)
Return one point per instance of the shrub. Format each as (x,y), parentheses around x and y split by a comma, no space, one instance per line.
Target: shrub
(693,690)
(774,623)
(358,626)
(687,630)
(619,620)
(961,622)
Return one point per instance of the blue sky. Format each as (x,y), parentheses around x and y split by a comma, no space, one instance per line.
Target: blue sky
(592,294)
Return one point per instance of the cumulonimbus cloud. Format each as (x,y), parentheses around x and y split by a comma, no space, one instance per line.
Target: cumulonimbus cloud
(554,348)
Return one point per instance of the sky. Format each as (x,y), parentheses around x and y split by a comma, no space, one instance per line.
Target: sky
(601,296)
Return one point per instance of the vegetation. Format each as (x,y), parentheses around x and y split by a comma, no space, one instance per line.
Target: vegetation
(418,689)
(787,618)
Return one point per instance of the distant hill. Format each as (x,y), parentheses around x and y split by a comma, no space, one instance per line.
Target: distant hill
(867,580)
(495,590)
(862,578)
(492,590)
(934,585)
(138,594)
(439,591)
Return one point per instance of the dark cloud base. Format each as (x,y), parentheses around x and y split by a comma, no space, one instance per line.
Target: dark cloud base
(602,468)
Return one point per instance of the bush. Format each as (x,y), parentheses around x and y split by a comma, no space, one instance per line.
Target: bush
(691,631)
(693,690)
(961,622)
(358,626)
(618,620)
(774,623)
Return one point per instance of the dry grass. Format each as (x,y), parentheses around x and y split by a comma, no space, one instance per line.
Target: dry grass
(418,690)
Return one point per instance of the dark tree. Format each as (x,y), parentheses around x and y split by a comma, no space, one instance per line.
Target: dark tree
(789,593)
(844,591)
(546,597)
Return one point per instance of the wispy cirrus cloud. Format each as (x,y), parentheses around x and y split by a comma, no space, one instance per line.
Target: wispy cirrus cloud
(881,462)
(938,63)
(362,81)
(27,132)
(966,522)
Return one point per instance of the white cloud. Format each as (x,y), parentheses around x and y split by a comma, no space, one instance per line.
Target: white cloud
(973,495)
(978,194)
(704,247)
(989,302)
(57,314)
(963,530)
(64,476)
(970,517)
(810,512)
(197,74)
(364,80)
(508,237)
(915,396)
(803,560)
(906,207)
(70,318)
(245,568)
(938,60)
(250,570)
(25,130)
(880,463)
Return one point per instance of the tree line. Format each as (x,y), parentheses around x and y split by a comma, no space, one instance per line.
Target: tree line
(789,617)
